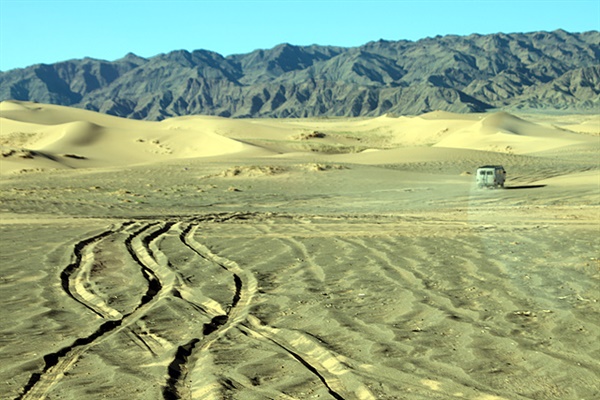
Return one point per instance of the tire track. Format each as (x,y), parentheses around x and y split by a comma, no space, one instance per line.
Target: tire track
(162,280)
(177,369)
(82,257)
(78,280)
(153,266)
(82,254)
(324,364)
(57,363)
(143,252)
(338,380)
(304,256)
(222,320)
(245,283)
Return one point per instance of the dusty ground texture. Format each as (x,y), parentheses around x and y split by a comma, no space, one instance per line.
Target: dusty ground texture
(300,266)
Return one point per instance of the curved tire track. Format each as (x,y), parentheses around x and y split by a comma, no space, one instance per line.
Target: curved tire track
(82,257)
(193,353)
(236,312)
(141,248)
(338,380)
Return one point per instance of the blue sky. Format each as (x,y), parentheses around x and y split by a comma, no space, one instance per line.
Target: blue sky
(48,31)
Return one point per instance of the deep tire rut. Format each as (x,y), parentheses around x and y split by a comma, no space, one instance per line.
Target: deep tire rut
(236,312)
(328,369)
(162,280)
(81,255)
(72,280)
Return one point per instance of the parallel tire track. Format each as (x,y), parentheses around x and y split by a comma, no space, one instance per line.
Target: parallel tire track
(142,243)
(141,250)
(338,379)
(245,288)
(81,257)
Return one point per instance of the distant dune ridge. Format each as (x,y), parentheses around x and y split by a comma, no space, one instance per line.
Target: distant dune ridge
(522,71)
(42,136)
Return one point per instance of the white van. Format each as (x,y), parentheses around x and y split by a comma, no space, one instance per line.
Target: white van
(491,176)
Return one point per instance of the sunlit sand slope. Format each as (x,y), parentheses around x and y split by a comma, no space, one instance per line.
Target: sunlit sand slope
(37,136)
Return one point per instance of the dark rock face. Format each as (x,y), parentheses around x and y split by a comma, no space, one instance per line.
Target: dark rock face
(548,70)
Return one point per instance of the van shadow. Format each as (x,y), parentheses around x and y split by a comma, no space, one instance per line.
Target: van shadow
(525,187)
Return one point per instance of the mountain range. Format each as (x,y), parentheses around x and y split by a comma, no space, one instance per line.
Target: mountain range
(538,70)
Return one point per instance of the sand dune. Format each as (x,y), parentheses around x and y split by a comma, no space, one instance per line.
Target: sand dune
(209,258)
(505,132)
(56,131)
(45,114)
(591,126)
(73,138)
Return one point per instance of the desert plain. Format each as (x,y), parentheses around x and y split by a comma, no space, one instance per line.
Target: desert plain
(336,258)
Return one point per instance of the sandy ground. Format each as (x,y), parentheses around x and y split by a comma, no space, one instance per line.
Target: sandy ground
(208,258)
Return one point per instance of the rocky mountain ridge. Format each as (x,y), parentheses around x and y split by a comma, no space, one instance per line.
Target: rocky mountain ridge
(540,70)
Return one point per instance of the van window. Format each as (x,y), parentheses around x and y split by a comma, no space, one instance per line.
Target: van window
(489,173)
